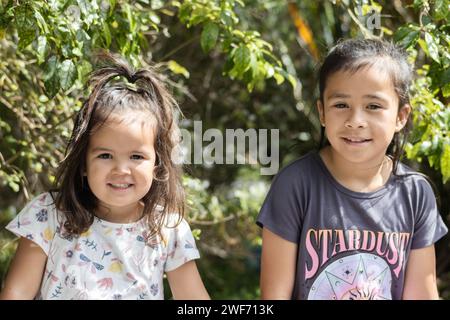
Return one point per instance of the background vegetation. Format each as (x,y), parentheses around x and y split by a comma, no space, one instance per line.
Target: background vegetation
(231,64)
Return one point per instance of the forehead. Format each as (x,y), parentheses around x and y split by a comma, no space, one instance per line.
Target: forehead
(125,131)
(366,81)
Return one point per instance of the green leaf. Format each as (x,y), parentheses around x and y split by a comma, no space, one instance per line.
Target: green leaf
(432,47)
(445,162)
(41,49)
(184,12)
(26,25)
(106,34)
(5,17)
(292,80)
(67,74)
(84,69)
(50,67)
(41,22)
(84,7)
(441,9)
(226,18)
(154,18)
(446,90)
(445,82)
(177,68)
(52,85)
(130,18)
(209,36)
(242,59)
(254,66)
(14,186)
(279,78)
(406,36)
(77,52)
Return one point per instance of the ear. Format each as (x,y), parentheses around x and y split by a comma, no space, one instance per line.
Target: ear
(402,117)
(321,113)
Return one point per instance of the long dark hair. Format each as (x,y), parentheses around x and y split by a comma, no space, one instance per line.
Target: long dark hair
(352,55)
(117,87)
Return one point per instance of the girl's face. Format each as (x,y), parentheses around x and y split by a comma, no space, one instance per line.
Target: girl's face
(360,114)
(119,166)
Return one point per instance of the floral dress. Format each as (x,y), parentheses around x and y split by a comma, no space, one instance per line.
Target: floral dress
(109,260)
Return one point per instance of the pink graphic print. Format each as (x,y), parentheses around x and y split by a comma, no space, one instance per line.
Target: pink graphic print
(361,276)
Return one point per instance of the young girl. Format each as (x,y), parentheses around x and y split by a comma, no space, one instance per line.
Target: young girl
(351,221)
(110,232)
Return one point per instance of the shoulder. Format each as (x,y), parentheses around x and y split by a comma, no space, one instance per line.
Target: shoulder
(414,181)
(415,188)
(46,199)
(38,221)
(43,205)
(173,222)
(176,233)
(175,226)
(299,169)
(40,211)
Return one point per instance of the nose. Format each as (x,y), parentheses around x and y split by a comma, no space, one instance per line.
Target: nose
(355,119)
(121,167)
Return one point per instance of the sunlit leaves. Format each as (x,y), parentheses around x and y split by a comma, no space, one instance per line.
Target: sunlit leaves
(209,36)
(67,74)
(249,58)
(26,24)
(176,68)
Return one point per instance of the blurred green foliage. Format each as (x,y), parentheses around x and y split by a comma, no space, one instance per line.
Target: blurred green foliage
(227,62)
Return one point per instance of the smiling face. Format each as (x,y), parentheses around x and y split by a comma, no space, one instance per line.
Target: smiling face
(120,162)
(360,114)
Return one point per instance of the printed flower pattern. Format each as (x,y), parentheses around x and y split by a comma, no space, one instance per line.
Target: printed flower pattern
(108,261)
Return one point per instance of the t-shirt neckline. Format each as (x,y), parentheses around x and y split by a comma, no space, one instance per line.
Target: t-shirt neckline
(119,224)
(363,195)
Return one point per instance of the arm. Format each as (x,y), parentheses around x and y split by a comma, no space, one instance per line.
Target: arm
(25,273)
(420,278)
(278,265)
(186,284)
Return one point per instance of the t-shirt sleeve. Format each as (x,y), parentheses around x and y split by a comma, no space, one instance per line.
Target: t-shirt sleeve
(281,211)
(428,227)
(181,246)
(36,222)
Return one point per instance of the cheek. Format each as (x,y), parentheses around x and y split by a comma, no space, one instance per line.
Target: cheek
(333,127)
(387,124)
(96,169)
(145,171)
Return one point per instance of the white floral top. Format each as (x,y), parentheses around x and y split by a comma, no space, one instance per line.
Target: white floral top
(109,261)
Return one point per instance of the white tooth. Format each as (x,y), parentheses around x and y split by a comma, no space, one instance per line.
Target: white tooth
(120,185)
(356,140)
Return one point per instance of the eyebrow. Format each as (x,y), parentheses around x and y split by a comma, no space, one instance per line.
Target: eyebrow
(375,96)
(99,149)
(338,95)
(96,149)
(343,95)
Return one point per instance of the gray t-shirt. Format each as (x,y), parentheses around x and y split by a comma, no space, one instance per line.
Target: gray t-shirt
(351,245)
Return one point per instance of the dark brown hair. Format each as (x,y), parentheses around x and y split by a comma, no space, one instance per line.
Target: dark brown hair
(117,87)
(354,54)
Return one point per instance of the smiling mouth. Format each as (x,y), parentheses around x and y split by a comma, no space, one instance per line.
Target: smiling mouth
(356,140)
(120,186)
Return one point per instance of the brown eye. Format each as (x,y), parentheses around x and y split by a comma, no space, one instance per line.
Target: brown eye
(373,107)
(340,106)
(104,156)
(137,157)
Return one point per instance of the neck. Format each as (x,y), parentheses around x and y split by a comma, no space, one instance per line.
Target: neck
(359,177)
(127,214)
